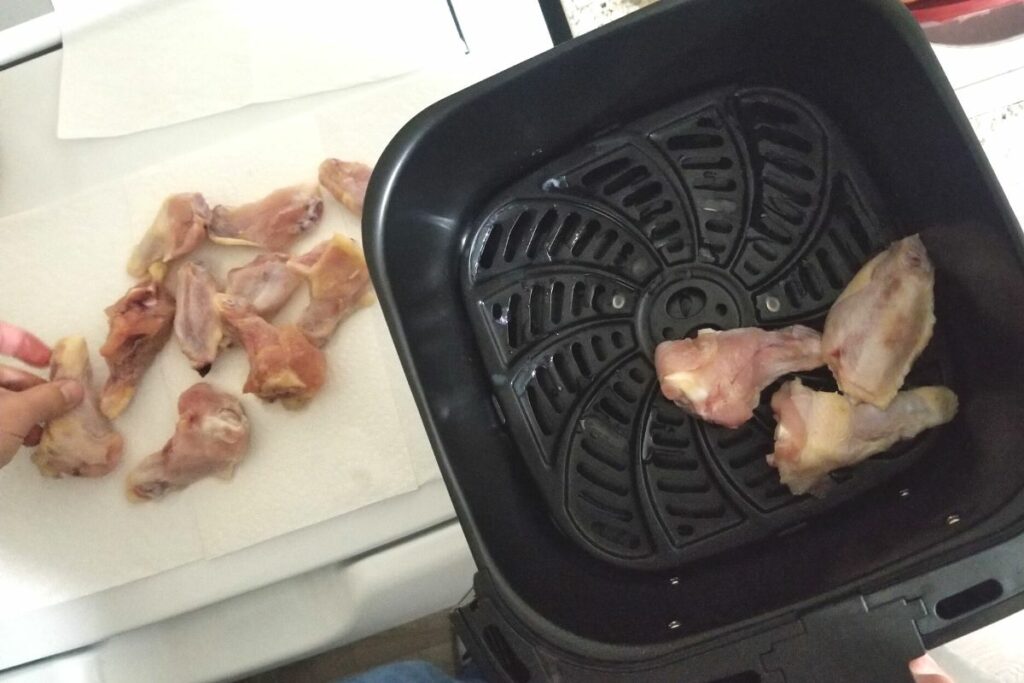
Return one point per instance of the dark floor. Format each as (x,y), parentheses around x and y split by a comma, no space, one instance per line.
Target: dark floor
(429,639)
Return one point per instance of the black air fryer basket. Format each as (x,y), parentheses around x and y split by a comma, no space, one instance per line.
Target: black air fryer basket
(702,163)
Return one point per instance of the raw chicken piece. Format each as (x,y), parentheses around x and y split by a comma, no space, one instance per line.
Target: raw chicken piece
(283,364)
(267,283)
(820,431)
(81,443)
(339,283)
(140,325)
(274,222)
(346,181)
(197,323)
(719,376)
(210,439)
(881,322)
(179,227)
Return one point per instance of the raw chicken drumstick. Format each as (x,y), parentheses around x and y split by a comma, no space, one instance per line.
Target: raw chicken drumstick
(339,283)
(719,376)
(274,222)
(81,443)
(140,325)
(197,323)
(283,364)
(819,432)
(881,322)
(210,439)
(346,181)
(267,283)
(178,229)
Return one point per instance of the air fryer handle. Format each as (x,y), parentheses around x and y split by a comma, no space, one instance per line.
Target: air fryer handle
(851,641)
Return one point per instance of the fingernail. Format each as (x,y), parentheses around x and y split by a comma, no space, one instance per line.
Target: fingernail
(71,390)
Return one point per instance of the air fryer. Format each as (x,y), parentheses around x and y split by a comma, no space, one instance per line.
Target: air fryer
(701,163)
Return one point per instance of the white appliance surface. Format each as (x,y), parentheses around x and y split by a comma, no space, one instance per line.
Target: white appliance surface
(382,565)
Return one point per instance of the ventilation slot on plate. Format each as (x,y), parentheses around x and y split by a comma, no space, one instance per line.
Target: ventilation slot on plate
(602,499)
(708,160)
(849,237)
(789,160)
(690,506)
(631,183)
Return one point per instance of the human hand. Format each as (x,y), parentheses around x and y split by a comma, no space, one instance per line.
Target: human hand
(924,669)
(27,401)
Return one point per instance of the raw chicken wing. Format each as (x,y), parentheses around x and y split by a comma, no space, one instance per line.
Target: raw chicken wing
(346,181)
(274,222)
(267,283)
(881,322)
(283,364)
(140,325)
(197,323)
(719,376)
(339,283)
(821,431)
(179,227)
(210,439)
(80,443)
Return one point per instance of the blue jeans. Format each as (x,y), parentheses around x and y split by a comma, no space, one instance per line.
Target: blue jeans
(410,672)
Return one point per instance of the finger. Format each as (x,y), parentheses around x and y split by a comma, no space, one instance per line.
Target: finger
(9,445)
(17,380)
(33,436)
(21,411)
(16,342)
(924,669)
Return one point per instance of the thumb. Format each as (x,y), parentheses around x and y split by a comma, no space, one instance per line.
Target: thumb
(20,411)
(924,669)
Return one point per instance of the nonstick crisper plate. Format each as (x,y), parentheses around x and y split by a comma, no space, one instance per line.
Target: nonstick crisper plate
(742,207)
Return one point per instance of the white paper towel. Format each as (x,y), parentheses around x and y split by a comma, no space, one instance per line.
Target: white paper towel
(358,442)
(132,65)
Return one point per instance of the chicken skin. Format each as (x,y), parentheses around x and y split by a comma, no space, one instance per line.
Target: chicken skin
(266,282)
(197,323)
(819,431)
(346,181)
(210,439)
(283,364)
(719,376)
(273,223)
(140,325)
(881,322)
(179,227)
(82,442)
(339,284)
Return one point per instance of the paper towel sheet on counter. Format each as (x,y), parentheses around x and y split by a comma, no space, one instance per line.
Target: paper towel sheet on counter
(358,442)
(132,65)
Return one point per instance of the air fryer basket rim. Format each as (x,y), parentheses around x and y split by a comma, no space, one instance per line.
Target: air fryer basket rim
(388,175)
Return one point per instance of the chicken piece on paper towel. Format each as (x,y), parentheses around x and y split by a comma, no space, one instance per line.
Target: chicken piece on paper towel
(881,323)
(197,323)
(283,364)
(210,439)
(339,284)
(346,181)
(719,376)
(179,227)
(82,442)
(819,432)
(266,282)
(140,325)
(274,222)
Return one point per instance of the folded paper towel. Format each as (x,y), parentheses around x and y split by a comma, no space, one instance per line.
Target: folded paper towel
(133,65)
(360,441)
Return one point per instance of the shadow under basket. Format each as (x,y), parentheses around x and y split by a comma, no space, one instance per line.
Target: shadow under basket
(704,163)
